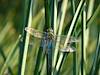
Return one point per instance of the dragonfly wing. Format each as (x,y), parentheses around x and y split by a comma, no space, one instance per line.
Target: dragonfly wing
(63,38)
(68,49)
(73,39)
(34,32)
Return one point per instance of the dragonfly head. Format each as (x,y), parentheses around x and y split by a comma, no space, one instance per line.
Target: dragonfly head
(49,30)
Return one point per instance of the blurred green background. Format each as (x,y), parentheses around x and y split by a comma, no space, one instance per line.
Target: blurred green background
(12,20)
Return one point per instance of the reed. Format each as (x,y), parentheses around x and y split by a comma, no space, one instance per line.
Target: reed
(67,18)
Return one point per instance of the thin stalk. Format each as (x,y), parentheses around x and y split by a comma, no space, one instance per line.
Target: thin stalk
(4,32)
(74,53)
(73,6)
(47,15)
(43,71)
(35,52)
(90,9)
(47,26)
(69,33)
(39,61)
(34,7)
(83,52)
(10,56)
(95,15)
(91,20)
(73,22)
(42,64)
(97,56)
(55,17)
(26,37)
(4,57)
(2,36)
(62,13)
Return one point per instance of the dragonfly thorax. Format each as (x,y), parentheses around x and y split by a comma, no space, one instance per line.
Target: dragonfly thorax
(48,36)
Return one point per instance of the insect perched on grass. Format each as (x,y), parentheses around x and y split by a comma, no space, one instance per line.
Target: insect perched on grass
(48,38)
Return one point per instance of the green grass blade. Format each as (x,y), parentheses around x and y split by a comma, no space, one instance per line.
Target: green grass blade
(2,35)
(9,56)
(73,22)
(92,19)
(43,71)
(63,11)
(96,57)
(35,53)
(55,16)
(26,38)
(47,14)
(36,56)
(95,15)
(69,33)
(90,9)
(84,40)
(4,57)
(48,25)
(73,6)
(35,4)
(4,32)
(75,66)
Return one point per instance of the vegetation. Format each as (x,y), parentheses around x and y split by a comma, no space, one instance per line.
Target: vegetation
(22,54)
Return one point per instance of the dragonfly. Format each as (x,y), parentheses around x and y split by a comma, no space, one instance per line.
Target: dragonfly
(48,37)
(47,43)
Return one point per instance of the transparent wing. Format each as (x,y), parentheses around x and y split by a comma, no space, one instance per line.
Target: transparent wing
(68,49)
(63,38)
(34,32)
(39,34)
